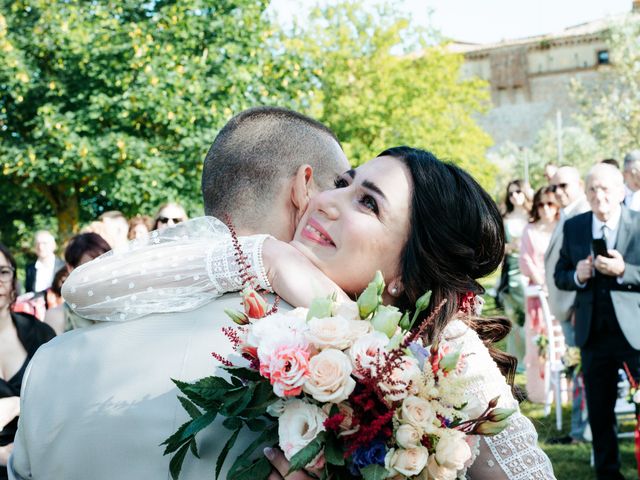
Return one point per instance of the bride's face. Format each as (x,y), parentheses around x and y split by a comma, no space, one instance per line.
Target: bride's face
(360,226)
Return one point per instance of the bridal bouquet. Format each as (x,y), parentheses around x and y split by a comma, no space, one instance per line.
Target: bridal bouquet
(346,389)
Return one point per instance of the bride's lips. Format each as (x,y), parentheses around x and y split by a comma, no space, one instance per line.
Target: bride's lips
(313,231)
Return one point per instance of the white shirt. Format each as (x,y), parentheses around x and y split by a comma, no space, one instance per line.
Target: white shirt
(44,275)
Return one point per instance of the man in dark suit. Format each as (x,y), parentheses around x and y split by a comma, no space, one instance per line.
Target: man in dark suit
(39,275)
(607,305)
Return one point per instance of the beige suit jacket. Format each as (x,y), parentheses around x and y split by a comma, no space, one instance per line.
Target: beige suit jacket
(97,402)
(560,301)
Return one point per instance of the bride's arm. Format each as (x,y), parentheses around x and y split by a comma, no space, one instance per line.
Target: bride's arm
(294,278)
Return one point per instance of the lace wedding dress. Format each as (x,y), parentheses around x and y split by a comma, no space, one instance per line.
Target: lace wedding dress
(185,267)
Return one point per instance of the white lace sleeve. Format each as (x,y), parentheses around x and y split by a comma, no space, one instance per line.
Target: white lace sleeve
(514,453)
(178,269)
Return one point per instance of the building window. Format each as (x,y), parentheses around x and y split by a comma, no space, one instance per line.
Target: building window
(603,57)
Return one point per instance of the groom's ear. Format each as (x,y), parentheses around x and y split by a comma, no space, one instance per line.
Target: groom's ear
(301,189)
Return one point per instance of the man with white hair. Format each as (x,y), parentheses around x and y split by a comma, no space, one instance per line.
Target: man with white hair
(631,172)
(39,275)
(600,260)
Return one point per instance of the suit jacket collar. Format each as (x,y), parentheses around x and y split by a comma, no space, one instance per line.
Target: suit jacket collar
(624,230)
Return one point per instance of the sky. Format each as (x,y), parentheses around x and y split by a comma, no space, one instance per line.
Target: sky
(486,21)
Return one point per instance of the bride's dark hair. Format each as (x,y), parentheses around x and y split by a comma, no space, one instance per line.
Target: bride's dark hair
(456,237)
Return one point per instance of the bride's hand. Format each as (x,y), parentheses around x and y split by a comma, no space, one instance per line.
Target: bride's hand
(281,467)
(294,277)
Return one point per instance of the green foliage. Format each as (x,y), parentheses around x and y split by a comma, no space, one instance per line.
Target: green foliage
(242,404)
(612,114)
(375,94)
(113,104)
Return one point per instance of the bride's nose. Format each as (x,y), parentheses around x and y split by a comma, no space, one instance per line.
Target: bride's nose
(328,204)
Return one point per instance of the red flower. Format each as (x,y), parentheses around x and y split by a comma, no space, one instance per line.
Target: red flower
(255,306)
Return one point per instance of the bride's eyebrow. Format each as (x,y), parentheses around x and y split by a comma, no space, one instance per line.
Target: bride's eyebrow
(374,188)
(351,173)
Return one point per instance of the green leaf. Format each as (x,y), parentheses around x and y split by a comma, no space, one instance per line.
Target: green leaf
(176,440)
(374,472)
(257,424)
(258,469)
(232,423)
(190,407)
(307,454)
(236,401)
(199,423)
(175,465)
(194,447)
(332,451)
(268,437)
(225,450)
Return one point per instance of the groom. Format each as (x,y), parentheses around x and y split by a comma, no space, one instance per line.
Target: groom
(97,402)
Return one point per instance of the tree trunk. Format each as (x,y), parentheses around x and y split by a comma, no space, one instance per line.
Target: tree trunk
(66,205)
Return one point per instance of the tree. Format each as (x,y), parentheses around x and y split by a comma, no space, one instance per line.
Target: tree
(612,114)
(375,91)
(113,104)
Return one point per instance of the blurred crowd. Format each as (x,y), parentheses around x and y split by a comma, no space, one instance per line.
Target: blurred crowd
(534,222)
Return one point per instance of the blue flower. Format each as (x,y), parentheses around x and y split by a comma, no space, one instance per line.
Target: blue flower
(371,455)
(419,352)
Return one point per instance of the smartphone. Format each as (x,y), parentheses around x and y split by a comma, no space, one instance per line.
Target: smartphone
(599,247)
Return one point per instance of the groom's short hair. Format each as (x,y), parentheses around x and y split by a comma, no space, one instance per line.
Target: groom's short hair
(258,150)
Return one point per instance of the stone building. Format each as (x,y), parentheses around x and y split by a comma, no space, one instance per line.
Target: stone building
(530,77)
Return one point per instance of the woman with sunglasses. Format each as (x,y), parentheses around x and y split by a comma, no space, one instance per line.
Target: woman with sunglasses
(169,215)
(20,336)
(511,289)
(535,240)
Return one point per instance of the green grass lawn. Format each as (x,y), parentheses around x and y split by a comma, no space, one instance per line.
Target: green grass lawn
(570,462)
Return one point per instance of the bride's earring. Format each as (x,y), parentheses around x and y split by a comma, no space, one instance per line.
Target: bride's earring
(394,289)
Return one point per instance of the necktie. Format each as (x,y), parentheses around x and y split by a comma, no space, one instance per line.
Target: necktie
(604,235)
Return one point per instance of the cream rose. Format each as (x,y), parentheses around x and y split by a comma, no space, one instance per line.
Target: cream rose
(439,472)
(347,310)
(452,451)
(407,461)
(367,353)
(330,377)
(417,412)
(404,380)
(407,436)
(298,425)
(277,328)
(329,332)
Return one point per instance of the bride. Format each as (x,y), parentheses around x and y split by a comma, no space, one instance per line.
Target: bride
(427,225)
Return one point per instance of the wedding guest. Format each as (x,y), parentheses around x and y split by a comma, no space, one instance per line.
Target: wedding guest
(611,161)
(138,227)
(631,172)
(81,249)
(511,288)
(169,215)
(569,190)
(535,240)
(39,274)
(550,170)
(20,336)
(116,228)
(55,316)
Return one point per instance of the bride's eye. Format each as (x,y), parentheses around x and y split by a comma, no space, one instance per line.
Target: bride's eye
(368,202)
(340,182)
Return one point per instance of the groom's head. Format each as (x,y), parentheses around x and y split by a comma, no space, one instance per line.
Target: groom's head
(263,166)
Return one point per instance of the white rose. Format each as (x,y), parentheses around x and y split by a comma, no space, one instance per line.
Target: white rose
(330,377)
(329,332)
(407,436)
(474,407)
(347,310)
(277,328)
(358,329)
(439,472)
(367,352)
(403,380)
(417,412)
(298,425)
(408,462)
(452,451)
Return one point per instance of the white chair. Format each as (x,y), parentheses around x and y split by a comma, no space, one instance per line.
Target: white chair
(554,368)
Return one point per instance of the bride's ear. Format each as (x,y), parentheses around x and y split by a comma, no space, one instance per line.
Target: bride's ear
(301,188)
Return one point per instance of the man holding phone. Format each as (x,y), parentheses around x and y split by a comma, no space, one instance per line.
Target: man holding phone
(600,259)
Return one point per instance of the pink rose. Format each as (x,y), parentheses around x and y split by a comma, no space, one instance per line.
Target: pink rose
(286,367)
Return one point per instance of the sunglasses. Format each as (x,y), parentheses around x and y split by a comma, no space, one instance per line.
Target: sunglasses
(547,204)
(166,219)
(562,186)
